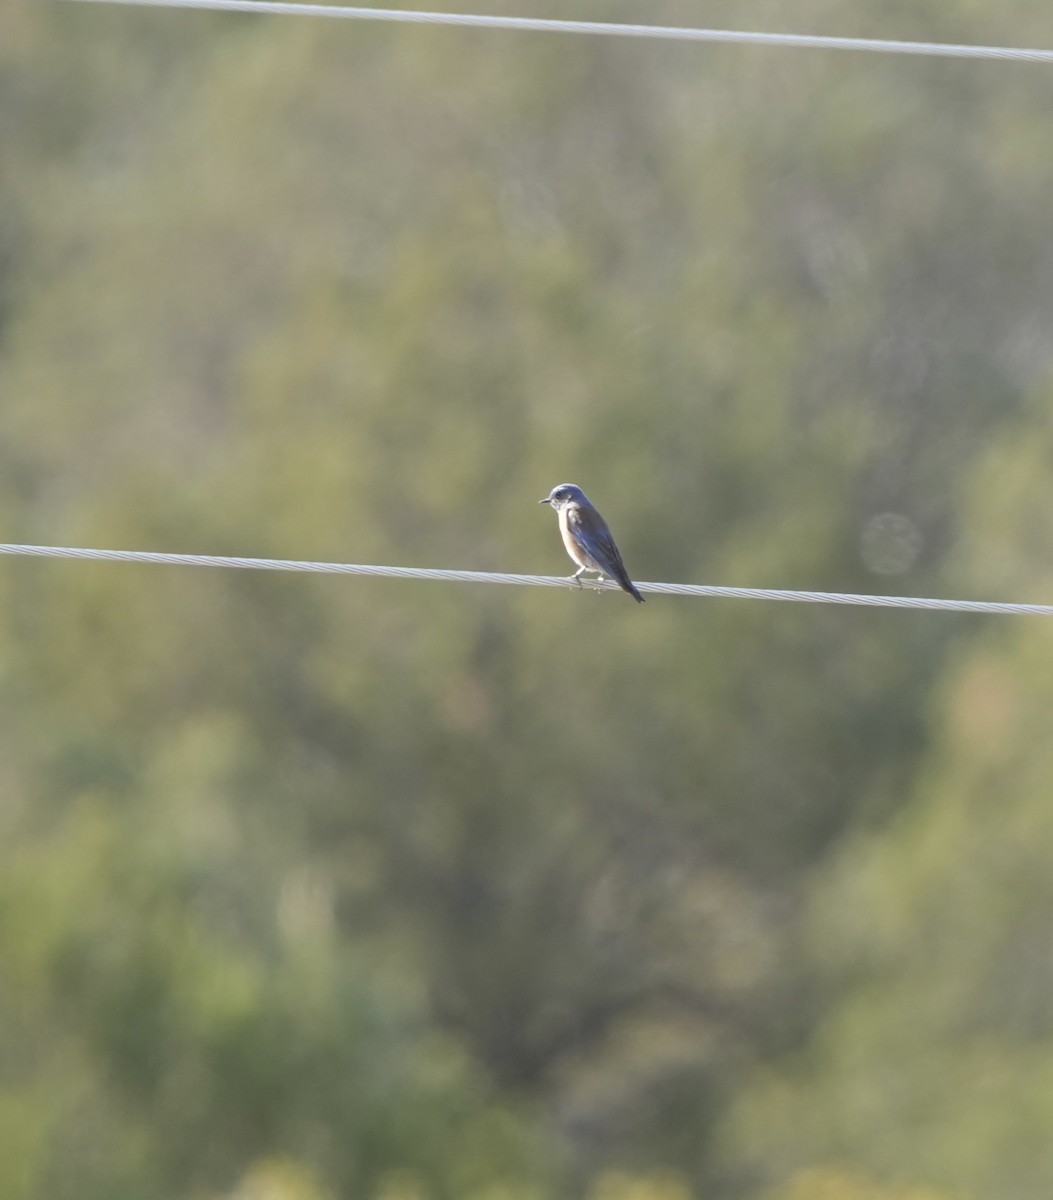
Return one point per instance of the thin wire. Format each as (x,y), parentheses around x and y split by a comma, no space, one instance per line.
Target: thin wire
(605,29)
(557,581)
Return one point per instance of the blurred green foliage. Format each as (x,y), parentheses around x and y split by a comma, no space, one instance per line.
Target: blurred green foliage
(316,889)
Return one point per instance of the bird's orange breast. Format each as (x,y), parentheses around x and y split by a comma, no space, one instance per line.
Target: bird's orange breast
(573,549)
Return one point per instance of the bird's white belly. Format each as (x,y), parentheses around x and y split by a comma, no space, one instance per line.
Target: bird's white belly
(573,549)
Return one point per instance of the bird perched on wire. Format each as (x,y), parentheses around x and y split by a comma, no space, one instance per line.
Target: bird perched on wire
(587,538)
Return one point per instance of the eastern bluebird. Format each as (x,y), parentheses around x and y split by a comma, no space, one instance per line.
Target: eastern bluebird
(587,538)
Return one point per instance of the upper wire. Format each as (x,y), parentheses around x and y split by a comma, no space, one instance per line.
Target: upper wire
(606,29)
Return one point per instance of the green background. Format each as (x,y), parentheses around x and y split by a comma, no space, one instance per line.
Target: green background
(350,889)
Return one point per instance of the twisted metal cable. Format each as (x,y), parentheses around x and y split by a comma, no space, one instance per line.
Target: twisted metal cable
(709,591)
(606,29)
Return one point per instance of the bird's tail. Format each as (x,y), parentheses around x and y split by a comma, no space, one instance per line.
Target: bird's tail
(627,585)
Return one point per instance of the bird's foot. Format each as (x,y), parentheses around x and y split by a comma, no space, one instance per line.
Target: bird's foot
(594,577)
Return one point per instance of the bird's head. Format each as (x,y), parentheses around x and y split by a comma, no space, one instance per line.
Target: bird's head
(565,493)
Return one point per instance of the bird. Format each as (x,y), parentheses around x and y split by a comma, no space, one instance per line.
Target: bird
(587,538)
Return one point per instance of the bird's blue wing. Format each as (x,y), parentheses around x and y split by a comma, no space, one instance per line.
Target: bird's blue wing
(592,533)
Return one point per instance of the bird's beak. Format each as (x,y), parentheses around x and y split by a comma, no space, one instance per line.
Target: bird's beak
(547,500)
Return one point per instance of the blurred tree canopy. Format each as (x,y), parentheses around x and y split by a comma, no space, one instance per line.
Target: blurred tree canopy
(313,889)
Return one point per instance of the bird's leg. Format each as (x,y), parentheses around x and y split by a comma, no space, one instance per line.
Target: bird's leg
(600,577)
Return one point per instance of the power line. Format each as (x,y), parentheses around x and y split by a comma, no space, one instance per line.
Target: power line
(557,581)
(605,29)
